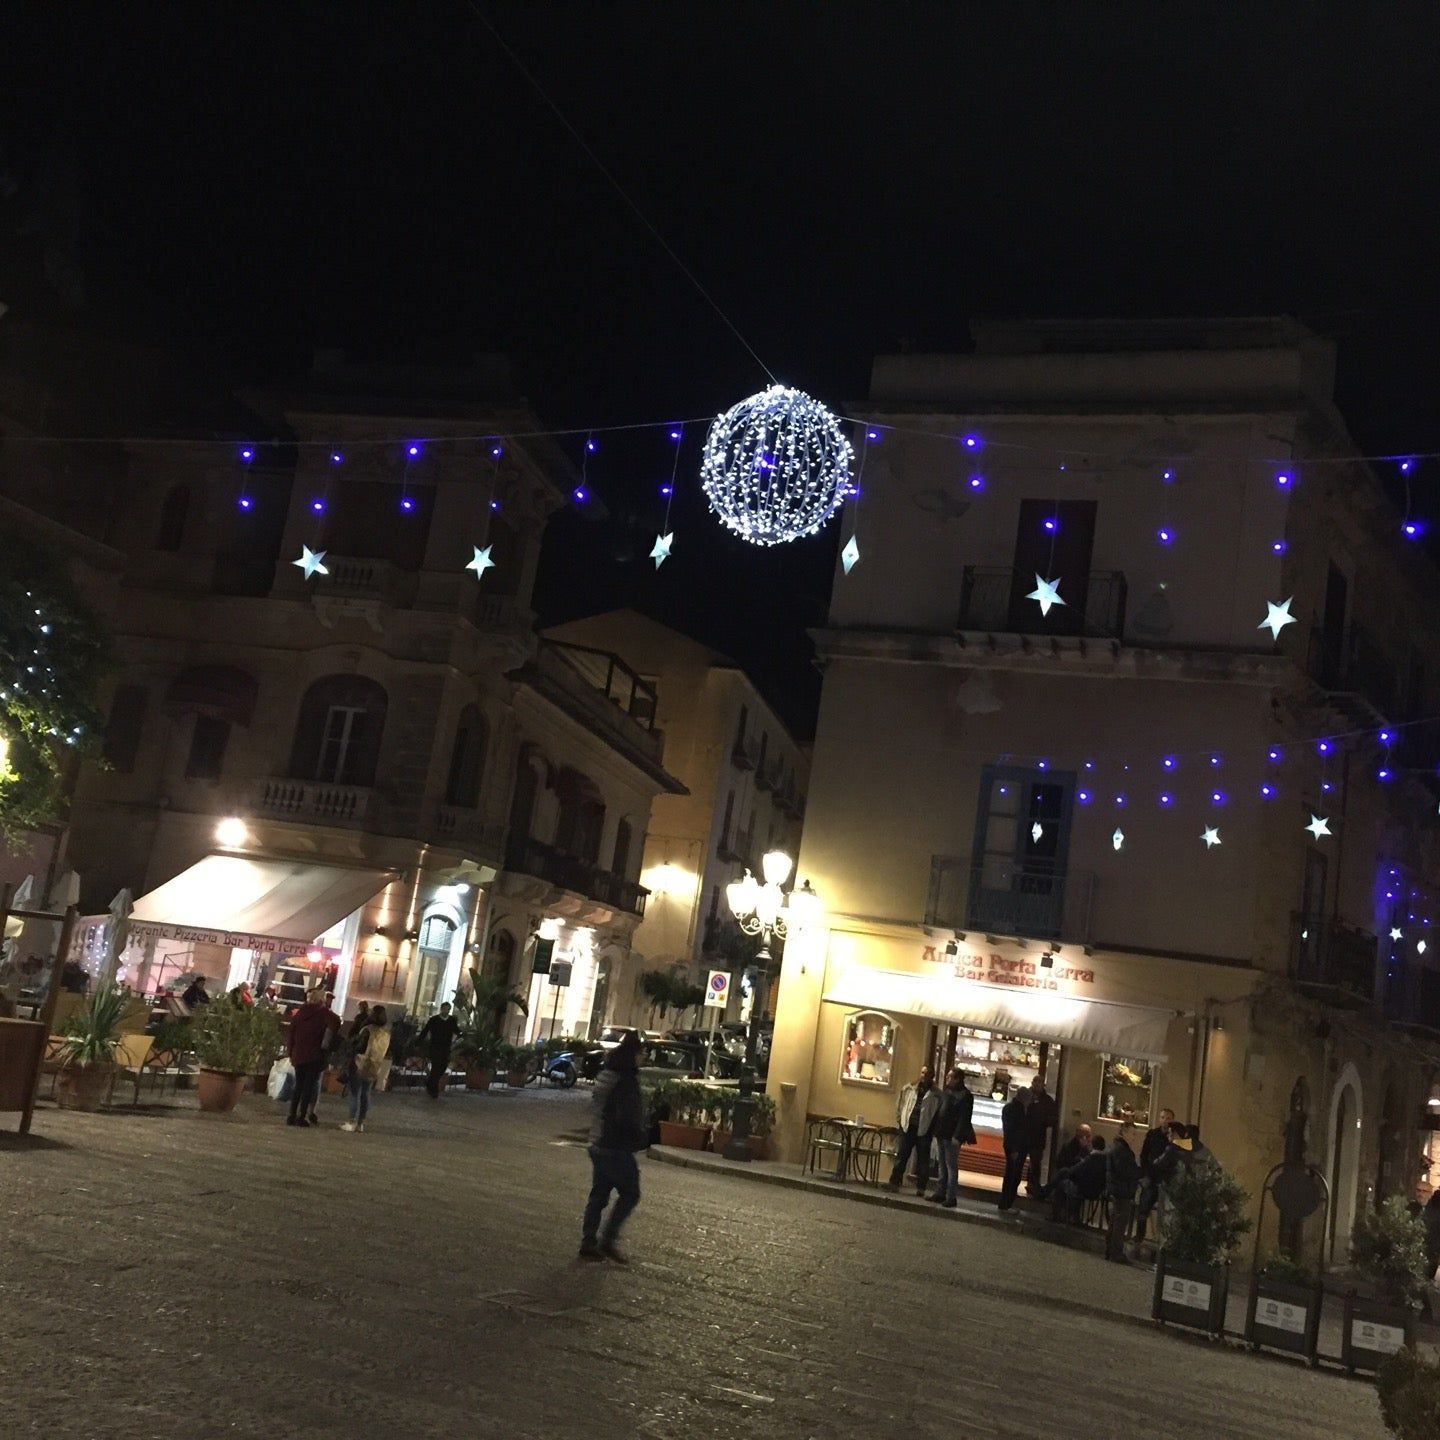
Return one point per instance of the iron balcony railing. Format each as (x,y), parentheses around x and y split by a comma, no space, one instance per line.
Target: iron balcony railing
(1357,665)
(1412,998)
(460,826)
(1005,897)
(993,600)
(1332,961)
(569,872)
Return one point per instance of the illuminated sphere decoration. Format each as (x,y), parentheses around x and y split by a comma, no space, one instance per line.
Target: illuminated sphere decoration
(776,466)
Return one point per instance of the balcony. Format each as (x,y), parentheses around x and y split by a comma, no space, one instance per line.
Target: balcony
(1412,1000)
(569,872)
(1003,897)
(1358,675)
(736,848)
(468,828)
(312,802)
(742,754)
(767,777)
(993,600)
(1332,962)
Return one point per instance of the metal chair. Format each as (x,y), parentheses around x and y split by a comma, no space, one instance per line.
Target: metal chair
(868,1154)
(825,1137)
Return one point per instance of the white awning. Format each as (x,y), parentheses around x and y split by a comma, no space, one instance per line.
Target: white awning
(255,904)
(1134,1031)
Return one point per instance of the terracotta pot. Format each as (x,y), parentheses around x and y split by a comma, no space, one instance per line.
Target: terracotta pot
(219,1091)
(758,1145)
(331,1083)
(684,1137)
(478,1079)
(517,1079)
(83,1087)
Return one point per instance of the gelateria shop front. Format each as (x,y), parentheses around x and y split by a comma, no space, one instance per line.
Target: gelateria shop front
(1110,1036)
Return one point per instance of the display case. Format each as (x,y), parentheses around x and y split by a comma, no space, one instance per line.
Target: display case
(995,1065)
(1126,1089)
(867,1051)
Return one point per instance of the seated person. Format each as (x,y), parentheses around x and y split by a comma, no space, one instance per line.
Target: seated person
(1079,1183)
(1074,1150)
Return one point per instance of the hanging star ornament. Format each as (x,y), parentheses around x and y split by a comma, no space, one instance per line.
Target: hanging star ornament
(1211,837)
(1047,592)
(1394,932)
(1277,617)
(312,562)
(1118,838)
(482,561)
(1319,826)
(850,555)
(660,552)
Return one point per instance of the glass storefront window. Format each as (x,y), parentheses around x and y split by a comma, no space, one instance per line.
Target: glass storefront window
(1126,1089)
(868,1051)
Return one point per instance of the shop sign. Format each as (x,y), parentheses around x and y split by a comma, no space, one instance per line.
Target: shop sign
(560,974)
(1379,1339)
(1194,1294)
(1021,971)
(235,939)
(544,953)
(1278,1315)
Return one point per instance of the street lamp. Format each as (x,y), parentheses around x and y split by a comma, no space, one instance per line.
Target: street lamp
(764,910)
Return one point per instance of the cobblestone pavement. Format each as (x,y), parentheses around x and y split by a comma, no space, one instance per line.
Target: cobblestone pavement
(172,1274)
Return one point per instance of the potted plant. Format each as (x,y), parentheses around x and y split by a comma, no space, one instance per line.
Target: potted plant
(1387,1248)
(762,1122)
(689,1106)
(1410,1395)
(87,1053)
(516,1060)
(1283,1311)
(478,1050)
(1207,1218)
(232,1042)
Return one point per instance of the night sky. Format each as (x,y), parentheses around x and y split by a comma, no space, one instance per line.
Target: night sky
(254,181)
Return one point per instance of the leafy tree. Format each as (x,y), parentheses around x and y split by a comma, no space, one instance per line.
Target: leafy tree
(1410,1395)
(1388,1249)
(52,652)
(658,987)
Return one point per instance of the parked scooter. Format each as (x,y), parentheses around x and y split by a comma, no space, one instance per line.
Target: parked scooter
(561,1071)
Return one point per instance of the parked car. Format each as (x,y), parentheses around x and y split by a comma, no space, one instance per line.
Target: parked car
(725,1042)
(674,1060)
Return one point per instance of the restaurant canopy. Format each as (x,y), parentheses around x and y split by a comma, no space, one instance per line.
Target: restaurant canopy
(1134,1031)
(256,904)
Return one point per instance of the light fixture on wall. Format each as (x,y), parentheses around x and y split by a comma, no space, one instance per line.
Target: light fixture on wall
(231,832)
(1047,960)
(952,947)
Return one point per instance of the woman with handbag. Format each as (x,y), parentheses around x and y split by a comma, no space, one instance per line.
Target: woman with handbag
(369,1068)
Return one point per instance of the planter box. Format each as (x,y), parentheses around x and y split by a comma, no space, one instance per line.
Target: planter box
(684,1137)
(1283,1315)
(1374,1330)
(478,1079)
(83,1087)
(759,1145)
(517,1079)
(1192,1295)
(331,1082)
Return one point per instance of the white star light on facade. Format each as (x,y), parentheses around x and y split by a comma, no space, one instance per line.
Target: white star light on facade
(482,561)
(1036,831)
(1047,592)
(660,551)
(1118,838)
(850,555)
(1319,826)
(312,562)
(1277,617)
(1211,837)
(1394,932)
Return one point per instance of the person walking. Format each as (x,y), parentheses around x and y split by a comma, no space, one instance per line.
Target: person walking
(312,1025)
(438,1036)
(1015,1138)
(617,1134)
(952,1128)
(1122,1175)
(1042,1117)
(914,1115)
(371,1066)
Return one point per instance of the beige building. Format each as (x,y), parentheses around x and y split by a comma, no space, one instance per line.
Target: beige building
(375,771)
(1079,841)
(745,779)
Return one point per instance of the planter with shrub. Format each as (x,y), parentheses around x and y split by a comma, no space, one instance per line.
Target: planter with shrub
(87,1053)
(516,1060)
(1192,1272)
(686,1111)
(762,1122)
(1387,1248)
(1283,1312)
(1410,1395)
(232,1042)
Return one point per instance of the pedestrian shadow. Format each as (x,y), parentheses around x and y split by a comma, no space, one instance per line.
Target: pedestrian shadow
(13,1143)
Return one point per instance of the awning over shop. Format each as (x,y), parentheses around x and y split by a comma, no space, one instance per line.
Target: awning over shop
(1135,1031)
(255,904)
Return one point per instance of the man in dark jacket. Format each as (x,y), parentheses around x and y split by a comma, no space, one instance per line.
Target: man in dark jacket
(1079,1183)
(1074,1150)
(617,1132)
(438,1035)
(1156,1139)
(1016,1139)
(1041,1118)
(1122,1175)
(310,1027)
(1175,1159)
(952,1128)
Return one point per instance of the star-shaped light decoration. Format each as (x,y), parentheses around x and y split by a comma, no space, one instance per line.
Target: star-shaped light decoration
(660,551)
(1319,826)
(1118,838)
(1211,837)
(850,555)
(482,561)
(1394,932)
(1277,617)
(1047,592)
(1036,831)
(312,562)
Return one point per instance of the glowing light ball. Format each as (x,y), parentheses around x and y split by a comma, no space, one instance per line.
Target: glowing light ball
(776,466)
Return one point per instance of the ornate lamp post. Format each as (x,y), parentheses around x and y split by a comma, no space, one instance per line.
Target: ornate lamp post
(764,910)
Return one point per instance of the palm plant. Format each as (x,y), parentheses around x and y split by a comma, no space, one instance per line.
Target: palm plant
(92,1034)
(658,987)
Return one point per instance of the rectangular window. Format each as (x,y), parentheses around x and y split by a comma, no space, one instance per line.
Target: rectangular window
(339,743)
(122,730)
(725,824)
(1054,540)
(1127,1090)
(207,748)
(1022,840)
(743,726)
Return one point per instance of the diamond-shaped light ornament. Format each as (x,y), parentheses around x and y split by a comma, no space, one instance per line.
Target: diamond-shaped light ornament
(850,555)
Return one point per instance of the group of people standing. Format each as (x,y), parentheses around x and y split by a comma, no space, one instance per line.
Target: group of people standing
(360,1051)
(934,1117)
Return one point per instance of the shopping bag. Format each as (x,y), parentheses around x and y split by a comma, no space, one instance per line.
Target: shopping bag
(282,1079)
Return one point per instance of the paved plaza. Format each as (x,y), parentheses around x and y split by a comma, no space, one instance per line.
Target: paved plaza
(165,1273)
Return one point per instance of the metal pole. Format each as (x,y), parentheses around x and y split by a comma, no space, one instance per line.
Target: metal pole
(739,1147)
(555,1012)
(710,1042)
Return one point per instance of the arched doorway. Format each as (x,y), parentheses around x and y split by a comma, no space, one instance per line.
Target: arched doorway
(1344,1162)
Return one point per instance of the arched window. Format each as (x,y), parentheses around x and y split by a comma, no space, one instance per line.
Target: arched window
(467,759)
(582,816)
(867,1048)
(337,734)
(173,510)
(624,838)
(529,774)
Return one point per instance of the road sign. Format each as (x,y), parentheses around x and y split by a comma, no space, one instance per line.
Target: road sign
(560,973)
(717,991)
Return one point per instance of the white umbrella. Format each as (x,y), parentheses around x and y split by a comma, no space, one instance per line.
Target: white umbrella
(115,928)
